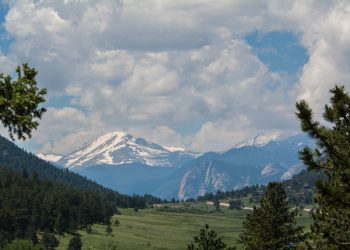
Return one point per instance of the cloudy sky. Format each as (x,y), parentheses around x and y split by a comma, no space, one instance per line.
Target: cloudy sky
(200,74)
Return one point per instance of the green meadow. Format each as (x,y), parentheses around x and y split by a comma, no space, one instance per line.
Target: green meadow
(166,228)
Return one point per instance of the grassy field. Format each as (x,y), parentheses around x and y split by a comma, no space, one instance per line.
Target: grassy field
(171,228)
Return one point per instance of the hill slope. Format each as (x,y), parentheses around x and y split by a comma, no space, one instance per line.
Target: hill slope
(17,159)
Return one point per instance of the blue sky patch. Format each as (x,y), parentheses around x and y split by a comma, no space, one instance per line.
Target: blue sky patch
(5,39)
(280,51)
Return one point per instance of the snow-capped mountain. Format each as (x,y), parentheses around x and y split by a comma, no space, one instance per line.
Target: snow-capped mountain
(49,157)
(260,140)
(117,148)
(276,160)
(134,165)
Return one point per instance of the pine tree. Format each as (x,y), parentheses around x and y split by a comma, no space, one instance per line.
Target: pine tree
(19,102)
(271,226)
(208,240)
(49,241)
(235,204)
(60,225)
(216,204)
(75,243)
(331,227)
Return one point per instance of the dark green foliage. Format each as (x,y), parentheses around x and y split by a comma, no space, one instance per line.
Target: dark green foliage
(29,205)
(49,241)
(272,225)
(75,243)
(331,228)
(89,229)
(216,204)
(19,102)
(300,189)
(235,204)
(254,191)
(21,245)
(61,224)
(208,240)
(116,222)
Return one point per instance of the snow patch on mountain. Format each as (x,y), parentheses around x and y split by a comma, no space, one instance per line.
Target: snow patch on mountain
(116,148)
(174,149)
(49,157)
(260,140)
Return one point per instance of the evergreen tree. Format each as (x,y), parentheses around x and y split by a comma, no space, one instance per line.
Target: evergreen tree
(331,227)
(208,240)
(89,229)
(60,225)
(216,204)
(73,225)
(235,204)
(19,102)
(49,241)
(31,234)
(75,243)
(271,226)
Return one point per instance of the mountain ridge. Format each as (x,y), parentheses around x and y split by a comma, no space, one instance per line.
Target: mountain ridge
(123,162)
(118,148)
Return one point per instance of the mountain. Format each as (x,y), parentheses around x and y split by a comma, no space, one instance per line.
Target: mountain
(131,165)
(49,157)
(260,139)
(118,148)
(236,168)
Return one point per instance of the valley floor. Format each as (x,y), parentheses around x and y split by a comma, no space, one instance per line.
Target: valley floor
(166,228)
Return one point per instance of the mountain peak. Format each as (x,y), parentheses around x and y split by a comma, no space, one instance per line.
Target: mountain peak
(174,149)
(115,133)
(117,148)
(49,157)
(260,140)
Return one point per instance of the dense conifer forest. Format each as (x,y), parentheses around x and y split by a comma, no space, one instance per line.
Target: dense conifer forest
(29,205)
(37,197)
(17,159)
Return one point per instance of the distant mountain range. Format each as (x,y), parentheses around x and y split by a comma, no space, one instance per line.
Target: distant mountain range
(118,148)
(134,165)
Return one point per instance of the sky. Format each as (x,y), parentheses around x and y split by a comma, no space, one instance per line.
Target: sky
(199,74)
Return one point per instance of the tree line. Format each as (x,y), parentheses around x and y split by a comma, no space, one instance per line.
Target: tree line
(29,205)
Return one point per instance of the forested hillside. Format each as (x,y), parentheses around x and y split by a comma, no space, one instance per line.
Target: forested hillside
(300,189)
(37,198)
(29,205)
(17,159)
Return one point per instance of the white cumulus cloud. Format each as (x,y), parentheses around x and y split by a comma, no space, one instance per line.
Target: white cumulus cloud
(177,72)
